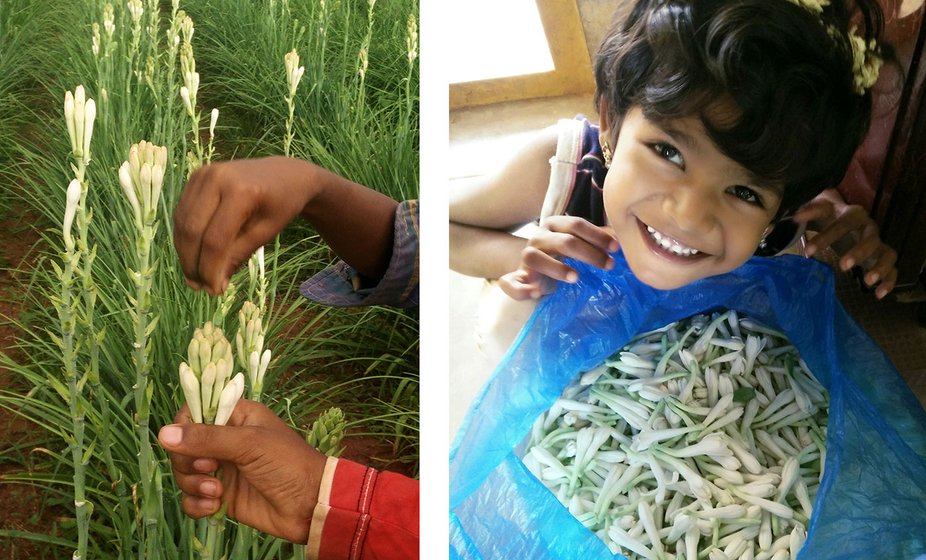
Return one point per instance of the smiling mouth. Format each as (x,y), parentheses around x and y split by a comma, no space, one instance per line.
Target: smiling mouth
(670,245)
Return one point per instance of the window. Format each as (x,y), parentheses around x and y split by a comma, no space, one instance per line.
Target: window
(503,50)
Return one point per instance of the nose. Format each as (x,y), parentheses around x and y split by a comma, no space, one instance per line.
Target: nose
(692,210)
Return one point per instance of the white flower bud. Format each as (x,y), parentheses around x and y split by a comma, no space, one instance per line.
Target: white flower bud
(125,179)
(190,386)
(191,79)
(157,181)
(796,540)
(212,121)
(264,364)
(206,386)
(95,41)
(789,473)
(73,199)
(254,368)
(185,96)
(69,119)
(223,369)
(136,10)
(229,398)
(89,117)
(79,115)
(109,20)
(411,38)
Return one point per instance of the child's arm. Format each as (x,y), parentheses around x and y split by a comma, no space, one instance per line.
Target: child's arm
(850,230)
(229,209)
(558,237)
(484,212)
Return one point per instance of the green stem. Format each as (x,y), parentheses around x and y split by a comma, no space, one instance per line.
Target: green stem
(215,528)
(150,506)
(67,316)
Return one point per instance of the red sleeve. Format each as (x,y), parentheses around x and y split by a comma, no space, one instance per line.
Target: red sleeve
(364,514)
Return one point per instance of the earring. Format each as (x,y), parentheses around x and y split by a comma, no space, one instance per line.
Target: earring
(763,243)
(606,153)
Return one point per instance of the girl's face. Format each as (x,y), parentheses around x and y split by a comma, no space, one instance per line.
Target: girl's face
(681,209)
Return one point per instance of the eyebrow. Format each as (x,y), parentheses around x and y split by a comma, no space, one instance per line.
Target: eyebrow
(678,136)
(690,142)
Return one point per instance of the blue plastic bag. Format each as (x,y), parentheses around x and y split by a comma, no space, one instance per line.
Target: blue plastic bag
(871,502)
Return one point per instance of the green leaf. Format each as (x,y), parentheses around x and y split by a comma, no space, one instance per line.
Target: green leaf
(88,452)
(59,387)
(744,394)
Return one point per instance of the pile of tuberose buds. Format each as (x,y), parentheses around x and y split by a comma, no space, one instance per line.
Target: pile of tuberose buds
(703,439)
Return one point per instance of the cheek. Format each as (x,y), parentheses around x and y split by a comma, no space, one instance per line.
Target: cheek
(744,240)
(616,193)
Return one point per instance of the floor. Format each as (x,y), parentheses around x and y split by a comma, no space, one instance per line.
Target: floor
(480,139)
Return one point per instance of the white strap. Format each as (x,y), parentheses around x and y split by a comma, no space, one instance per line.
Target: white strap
(563,167)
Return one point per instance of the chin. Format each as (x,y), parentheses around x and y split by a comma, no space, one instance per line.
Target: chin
(661,282)
(654,278)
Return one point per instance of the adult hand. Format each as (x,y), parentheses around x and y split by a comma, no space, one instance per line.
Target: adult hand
(229,209)
(850,226)
(269,475)
(558,237)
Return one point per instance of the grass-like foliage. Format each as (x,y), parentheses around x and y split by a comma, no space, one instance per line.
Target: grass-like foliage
(356,113)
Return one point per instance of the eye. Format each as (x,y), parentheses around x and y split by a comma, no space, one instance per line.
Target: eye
(669,153)
(748,195)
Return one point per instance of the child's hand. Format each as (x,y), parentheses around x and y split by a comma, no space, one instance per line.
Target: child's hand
(558,237)
(851,226)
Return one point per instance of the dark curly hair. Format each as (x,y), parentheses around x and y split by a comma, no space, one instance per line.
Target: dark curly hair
(785,71)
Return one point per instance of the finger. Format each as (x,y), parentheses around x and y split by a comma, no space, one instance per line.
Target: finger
(568,245)
(519,286)
(205,465)
(197,507)
(226,225)
(862,252)
(598,237)
(516,290)
(848,222)
(887,285)
(817,209)
(191,216)
(199,485)
(882,268)
(542,263)
(183,415)
(193,441)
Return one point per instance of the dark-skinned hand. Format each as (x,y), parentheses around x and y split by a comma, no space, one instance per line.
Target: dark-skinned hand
(268,476)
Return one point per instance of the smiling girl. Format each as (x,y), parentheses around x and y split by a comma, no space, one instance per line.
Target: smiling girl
(718,120)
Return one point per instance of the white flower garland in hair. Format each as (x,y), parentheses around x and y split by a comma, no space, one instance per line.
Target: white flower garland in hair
(815,6)
(866,64)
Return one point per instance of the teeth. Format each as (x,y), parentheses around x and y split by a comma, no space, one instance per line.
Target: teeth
(670,244)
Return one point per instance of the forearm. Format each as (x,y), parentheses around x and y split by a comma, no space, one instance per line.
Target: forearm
(483,252)
(355,221)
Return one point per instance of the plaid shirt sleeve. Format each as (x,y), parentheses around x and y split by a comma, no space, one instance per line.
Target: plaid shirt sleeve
(338,285)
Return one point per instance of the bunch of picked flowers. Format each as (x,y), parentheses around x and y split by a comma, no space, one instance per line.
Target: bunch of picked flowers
(210,390)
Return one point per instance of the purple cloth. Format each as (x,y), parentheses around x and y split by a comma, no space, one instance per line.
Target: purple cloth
(335,286)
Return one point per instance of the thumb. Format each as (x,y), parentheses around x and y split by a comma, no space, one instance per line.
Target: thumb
(223,443)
